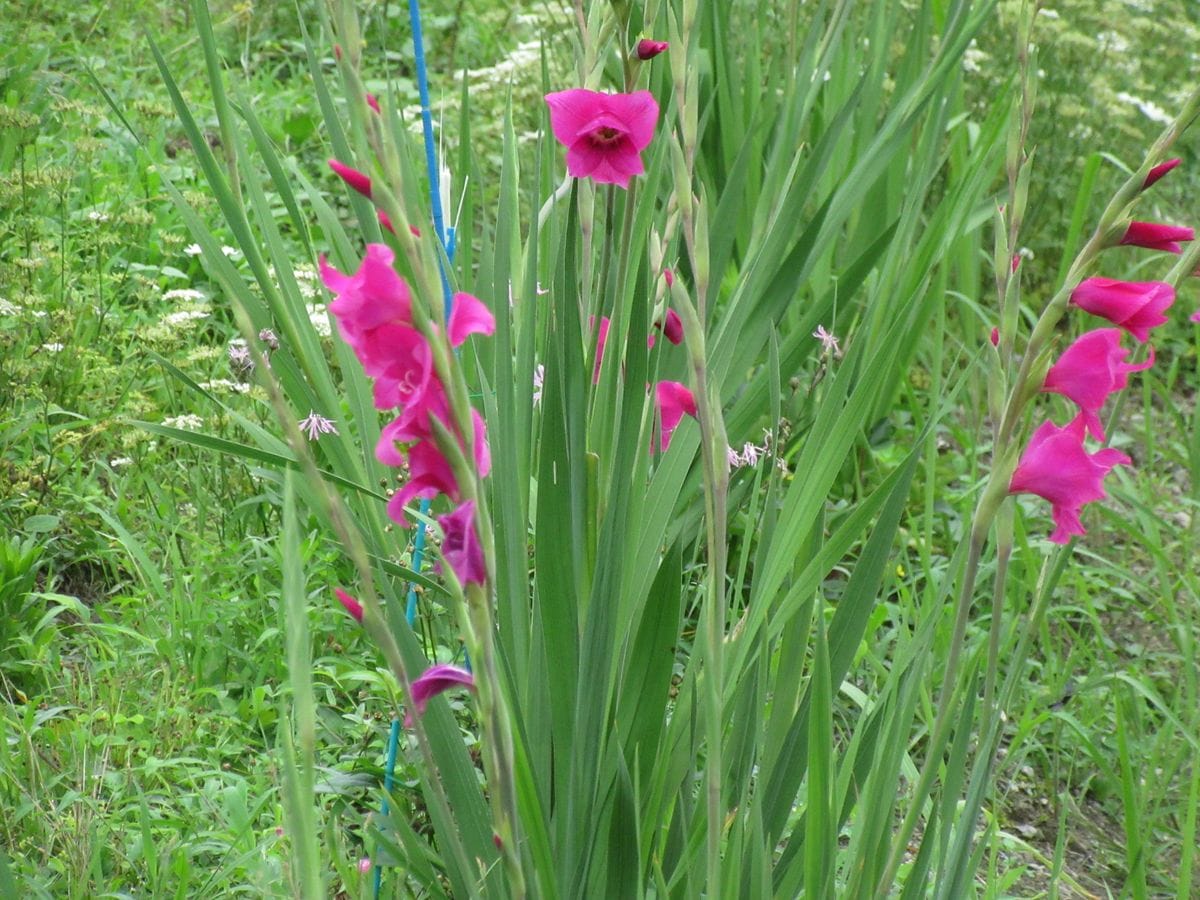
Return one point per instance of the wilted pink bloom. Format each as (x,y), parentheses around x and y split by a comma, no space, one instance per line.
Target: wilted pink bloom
(601,340)
(648,49)
(604,133)
(1154,236)
(460,545)
(352,606)
(434,681)
(1056,467)
(1159,171)
(373,102)
(468,316)
(352,177)
(1136,306)
(1089,370)
(674,399)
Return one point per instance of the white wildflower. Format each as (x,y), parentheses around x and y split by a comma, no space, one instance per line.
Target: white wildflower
(231,252)
(183,317)
(193,249)
(319,319)
(119,461)
(184,294)
(224,384)
(188,422)
(1150,110)
(53,348)
(96,216)
(7,308)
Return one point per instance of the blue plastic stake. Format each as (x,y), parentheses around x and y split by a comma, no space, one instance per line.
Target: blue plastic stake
(388,780)
(446,236)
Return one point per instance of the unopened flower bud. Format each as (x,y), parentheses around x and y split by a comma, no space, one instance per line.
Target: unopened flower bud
(647,49)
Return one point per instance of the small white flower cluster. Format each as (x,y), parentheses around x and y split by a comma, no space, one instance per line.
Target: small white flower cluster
(8,308)
(319,319)
(972,57)
(190,294)
(53,348)
(224,384)
(193,249)
(183,317)
(96,216)
(188,422)
(1150,110)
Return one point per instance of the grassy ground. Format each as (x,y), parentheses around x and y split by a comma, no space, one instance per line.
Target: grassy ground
(142,652)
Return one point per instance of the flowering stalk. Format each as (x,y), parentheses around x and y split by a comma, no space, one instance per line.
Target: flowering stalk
(713,439)
(454,442)
(1008,399)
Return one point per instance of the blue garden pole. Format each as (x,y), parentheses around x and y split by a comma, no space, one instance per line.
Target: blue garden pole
(446,236)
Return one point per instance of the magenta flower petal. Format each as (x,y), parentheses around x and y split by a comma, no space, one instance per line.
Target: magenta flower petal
(672,327)
(469,316)
(1056,467)
(373,102)
(460,545)
(433,681)
(1154,236)
(674,400)
(351,605)
(1089,370)
(604,133)
(1159,171)
(1136,306)
(352,177)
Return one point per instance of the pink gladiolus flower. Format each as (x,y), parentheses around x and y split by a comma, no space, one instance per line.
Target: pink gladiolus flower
(460,545)
(1194,317)
(1089,370)
(429,474)
(434,681)
(1136,306)
(469,316)
(648,49)
(401,362)
(352,177)
(371,297)
(1056,467)
(604,133)
(351,605)
(670,277)
(1159,171)
(373,102)
(1154,236)
(994,337)
(674,399)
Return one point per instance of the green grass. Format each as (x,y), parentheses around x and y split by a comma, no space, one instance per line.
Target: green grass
(146,607)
